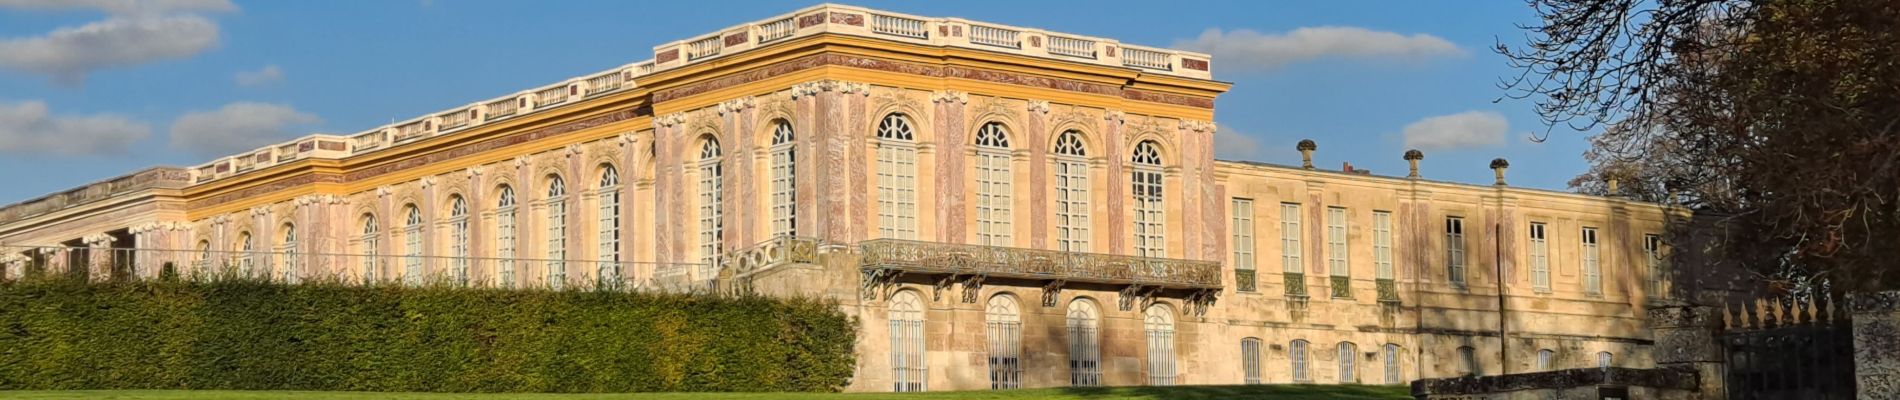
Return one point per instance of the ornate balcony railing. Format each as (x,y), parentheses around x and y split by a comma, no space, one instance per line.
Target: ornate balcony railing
(994,36)
(1072,47)
(771,253)
(1342,287)
(777,29)
(550,96)
(1150,59)
(1295,284)
(1388,290)
(927,257)
(899,26)
(1244,280)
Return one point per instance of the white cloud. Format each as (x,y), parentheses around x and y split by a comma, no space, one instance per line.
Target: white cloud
(1468,129)
(1230,144)
(1244,49)
(123,7)
(236,127)
(269,75)
(29,128)
(68,54)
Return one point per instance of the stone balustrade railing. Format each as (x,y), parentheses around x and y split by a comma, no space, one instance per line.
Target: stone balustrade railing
(913,256)
(771,253)
(811,21)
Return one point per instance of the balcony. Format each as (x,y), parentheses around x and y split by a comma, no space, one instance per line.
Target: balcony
(1140,279)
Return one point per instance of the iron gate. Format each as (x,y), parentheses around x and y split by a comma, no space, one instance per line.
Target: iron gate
(1788,349)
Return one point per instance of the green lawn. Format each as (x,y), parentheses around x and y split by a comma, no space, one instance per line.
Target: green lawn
(1277,392)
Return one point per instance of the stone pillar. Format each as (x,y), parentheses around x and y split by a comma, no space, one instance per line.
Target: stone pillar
(98,257)
(1685,337)
(1876,333)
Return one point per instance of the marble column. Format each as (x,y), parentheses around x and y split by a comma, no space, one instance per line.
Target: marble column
(99,257)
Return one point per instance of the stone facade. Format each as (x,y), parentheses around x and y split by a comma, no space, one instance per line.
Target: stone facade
(1162,262)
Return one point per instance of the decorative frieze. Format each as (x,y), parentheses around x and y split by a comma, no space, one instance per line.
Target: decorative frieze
(670,120)
(736,105)
(1197,126)
(946,96)
(1039,107)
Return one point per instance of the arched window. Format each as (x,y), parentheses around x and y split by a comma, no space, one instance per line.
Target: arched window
(1296,353)
(1543,359)
(1390,355)
(1468,362)
(909,369)
(1250,360)
(896,178)
(712,225)
(1347,366)
(367,246)
(246,261)
(412,245)
(1005,333)
(1605,360)
(1150,236)
(557,232)
(505,236)
(784,180)
(609,227)
(1072,192)
(1085,349)
(1158,323)
(289,249)
(458,239)
(993,187)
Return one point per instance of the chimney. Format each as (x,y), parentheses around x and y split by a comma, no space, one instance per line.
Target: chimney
(1498,165)
(1412,156)
(1306,148)
(1345,166)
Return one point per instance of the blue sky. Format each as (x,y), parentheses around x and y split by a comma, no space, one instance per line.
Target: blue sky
(91,89)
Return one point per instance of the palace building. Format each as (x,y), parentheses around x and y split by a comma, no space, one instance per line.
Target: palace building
(1000,206)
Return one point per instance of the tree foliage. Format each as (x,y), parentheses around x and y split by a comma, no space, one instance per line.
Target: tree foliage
(1783,117)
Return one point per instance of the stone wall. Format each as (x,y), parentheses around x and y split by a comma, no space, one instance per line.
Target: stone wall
(1877,345)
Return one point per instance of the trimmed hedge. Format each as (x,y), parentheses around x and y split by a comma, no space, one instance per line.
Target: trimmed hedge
(234,334)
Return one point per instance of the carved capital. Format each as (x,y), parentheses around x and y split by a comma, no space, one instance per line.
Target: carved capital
(626,139)
(855,87)
(1197,126)
(477,171)
(427,181)
(1039,106)
(944,96)
(1114,117)
(98,240)
(736,105)
(260,212)
(521,161)
(670,120)
(572,150)
(384,191)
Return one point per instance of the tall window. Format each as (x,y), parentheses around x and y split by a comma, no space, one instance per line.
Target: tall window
(1543,359)
(784,180)
(458,239)
(1290,238)
(712,225)
(1006,343)
(1159,324)
(1390,355)
(896,178)
(1150,235)
(1072,193)
(1243,242)
(1382,244)
(1455,250)
(1468,361)
(609,227)
(1296,353)
(1347,367)
(1085,350)
(909,370)
(993,185)
(247,254)
(1592,269)
(505,236)
(1250,360)
(557,232)
(412,245)
(1540,259)
(371,267)
(1605,360)
(1336,251)
(1658,269)
(290,253)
